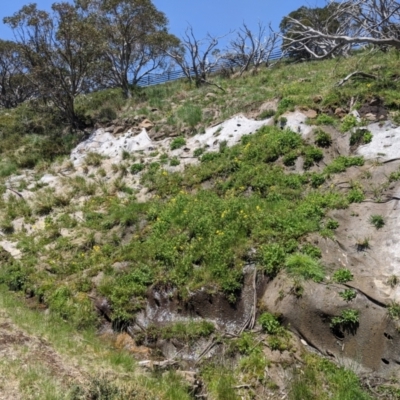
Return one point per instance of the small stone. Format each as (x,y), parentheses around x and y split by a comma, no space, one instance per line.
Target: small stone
(119,129)
(370,117)
(146,124)
(310,114)
(317,99)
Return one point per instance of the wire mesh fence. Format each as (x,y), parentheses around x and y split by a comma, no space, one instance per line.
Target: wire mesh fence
(155,79)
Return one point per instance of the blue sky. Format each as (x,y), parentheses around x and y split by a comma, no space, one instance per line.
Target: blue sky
(214,16)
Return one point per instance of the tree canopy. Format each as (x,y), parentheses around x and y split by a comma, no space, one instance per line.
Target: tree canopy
(134,36)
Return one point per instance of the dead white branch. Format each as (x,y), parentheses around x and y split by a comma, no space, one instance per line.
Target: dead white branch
(356,74)
(251,49)
(197,57)
(373,22)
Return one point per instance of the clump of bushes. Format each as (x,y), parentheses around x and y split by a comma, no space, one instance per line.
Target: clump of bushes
(177,143)
(322,139)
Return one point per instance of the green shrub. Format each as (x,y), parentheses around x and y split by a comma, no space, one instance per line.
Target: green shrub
(324,119)
(6,225)
(273,258)
(317,179)
(269,323)
(177,143)
(290,158)
(282,122)
(348,318)
(7,168)
(322,139)
(312,155)
(209,156)
(137,167)
(106,114)
(377,221)
(349,122)
(355,195)
(360,136)
(174,161)
(94,159)
(332,224)
(348,294)
(342,275)
(311,250)
(341,163)
(14,275)
(393,310)
(198,152)
(285,104)
(266,114)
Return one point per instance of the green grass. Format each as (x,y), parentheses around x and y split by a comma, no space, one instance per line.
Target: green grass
(321,379)
(84,351)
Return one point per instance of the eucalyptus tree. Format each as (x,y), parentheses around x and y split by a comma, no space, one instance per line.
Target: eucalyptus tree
(61,52)
(135,39)
(15,86)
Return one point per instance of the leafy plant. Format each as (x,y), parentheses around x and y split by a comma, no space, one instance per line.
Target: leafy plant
(355,195)
(177,143)
(341,163)
(285,104)
(348,318)
(393,310)
(332,224)
(342,275)
(106,114)
(377,221)
(137,167)
(322,139)
(282,122)
(349,122)
(360,136)
(94,159)
(174,161)
(266,114)
(198,152)
(348,294)
(393,281)
(324,119)
(269,323)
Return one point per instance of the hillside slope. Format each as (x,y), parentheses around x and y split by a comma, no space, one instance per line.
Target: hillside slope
(244,241)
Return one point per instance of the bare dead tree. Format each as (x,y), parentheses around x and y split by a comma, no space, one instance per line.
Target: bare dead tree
(374,22)
(251,49)
(197,57)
